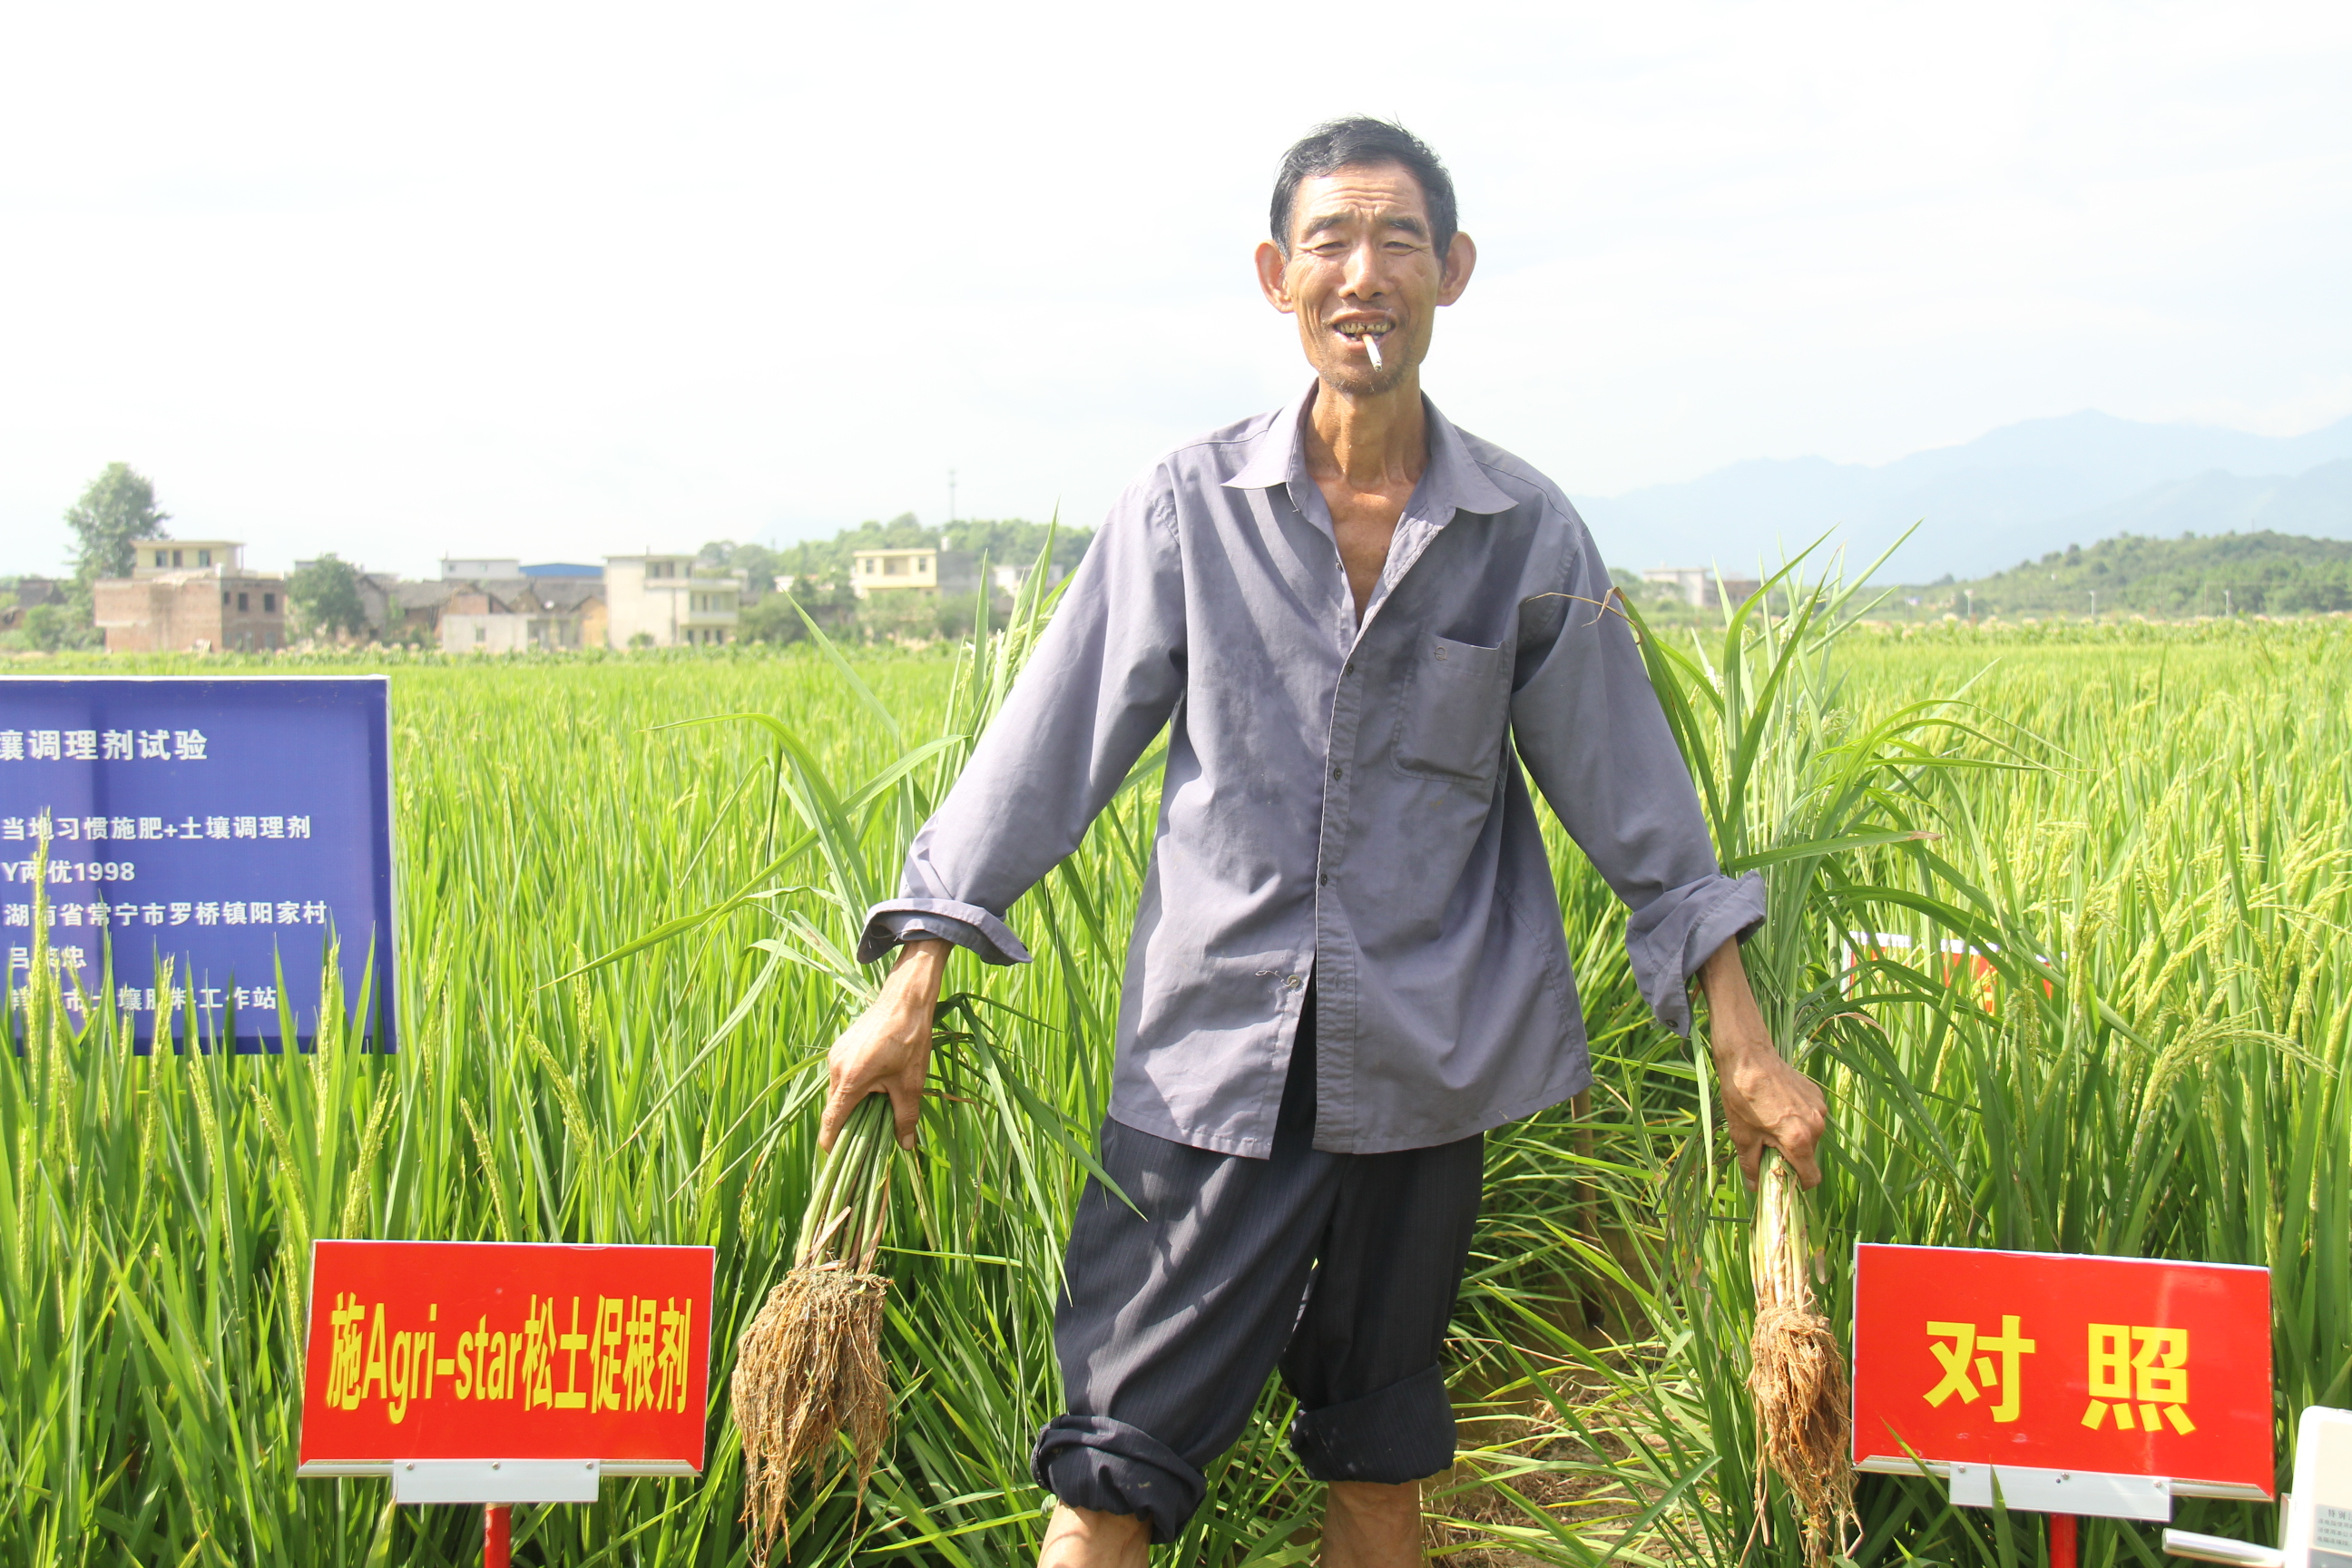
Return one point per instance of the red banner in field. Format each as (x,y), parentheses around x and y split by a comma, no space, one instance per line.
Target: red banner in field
(434,1350)
(2124,1365)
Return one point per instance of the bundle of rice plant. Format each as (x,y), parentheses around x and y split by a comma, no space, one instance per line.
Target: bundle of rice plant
(809,1369)
(1804,1407)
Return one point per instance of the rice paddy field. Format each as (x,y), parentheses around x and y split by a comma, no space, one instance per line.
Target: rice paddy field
(2147,832)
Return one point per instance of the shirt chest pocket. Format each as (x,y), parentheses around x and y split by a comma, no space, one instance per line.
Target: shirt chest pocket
(1455,702)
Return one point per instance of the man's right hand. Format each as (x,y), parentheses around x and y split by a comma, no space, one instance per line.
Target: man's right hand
(888,1049)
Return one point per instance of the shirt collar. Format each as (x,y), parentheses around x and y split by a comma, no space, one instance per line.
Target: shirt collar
(1454,481)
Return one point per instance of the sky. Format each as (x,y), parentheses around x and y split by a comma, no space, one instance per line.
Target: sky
(558,281)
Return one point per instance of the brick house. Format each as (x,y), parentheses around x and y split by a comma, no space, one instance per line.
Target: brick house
(190,596)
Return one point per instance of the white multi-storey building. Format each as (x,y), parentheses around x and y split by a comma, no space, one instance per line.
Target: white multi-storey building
(669,600)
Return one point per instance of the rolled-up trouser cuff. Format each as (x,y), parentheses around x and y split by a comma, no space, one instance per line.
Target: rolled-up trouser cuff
(1400,1433)
(1095,1462)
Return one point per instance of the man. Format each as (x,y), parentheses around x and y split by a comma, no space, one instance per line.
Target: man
(1356,623)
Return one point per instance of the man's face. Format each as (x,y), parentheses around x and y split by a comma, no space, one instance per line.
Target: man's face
(1361,264)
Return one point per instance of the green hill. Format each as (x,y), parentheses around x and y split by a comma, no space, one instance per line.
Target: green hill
(2245,573)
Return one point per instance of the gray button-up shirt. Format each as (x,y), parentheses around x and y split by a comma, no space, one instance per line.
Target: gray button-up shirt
(1340,801)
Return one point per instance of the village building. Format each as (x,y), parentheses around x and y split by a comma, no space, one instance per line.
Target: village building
(921,568)
(670,601)
(476,568)
(507,609)
(30,593)
(521,613)
(1699,588)
(379,593)
(414,611)
(190,596)
(379,596)
(1010,579)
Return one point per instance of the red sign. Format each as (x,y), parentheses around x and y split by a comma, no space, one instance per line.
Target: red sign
(1964,967)
(2046,1361)
(451,1350)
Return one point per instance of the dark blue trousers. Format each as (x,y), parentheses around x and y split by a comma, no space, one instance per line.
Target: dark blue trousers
(1338,1269)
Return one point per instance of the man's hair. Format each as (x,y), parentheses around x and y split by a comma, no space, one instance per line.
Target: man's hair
(1361,142)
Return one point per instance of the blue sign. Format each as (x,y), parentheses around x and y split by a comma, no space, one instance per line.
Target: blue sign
(231,826)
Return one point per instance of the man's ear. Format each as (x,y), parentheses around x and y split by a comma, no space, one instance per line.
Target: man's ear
(1271,266)
(1461,259)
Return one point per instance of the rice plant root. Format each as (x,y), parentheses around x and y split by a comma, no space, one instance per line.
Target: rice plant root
(807,1370)
(1797,1373)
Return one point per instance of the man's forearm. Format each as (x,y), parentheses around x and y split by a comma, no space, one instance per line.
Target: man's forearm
(1734,1023)
(917,973)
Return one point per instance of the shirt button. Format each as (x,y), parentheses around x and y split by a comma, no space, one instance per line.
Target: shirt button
(1349,669)
(1324,880)
(1293,982)
(1337,771)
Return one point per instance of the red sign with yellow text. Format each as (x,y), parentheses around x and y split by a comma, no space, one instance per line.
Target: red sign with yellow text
(2125,1366)
(445,1350)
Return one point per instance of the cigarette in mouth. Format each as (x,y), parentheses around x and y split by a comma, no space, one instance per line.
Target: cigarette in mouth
(1372,347)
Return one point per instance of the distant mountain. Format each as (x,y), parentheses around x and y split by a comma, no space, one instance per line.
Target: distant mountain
(2012,494)
(2316,504)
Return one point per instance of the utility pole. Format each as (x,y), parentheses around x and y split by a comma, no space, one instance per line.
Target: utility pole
(1970,596)
(2095,603)
(951,495)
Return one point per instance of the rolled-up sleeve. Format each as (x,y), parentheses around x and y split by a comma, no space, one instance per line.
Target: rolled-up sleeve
(1103,680)
(1589,729)
(968,926)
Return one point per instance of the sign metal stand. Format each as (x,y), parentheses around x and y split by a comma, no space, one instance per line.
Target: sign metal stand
(2065,1496)
(498,1485)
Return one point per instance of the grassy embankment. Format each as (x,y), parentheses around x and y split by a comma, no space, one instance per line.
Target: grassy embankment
(2188,578)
